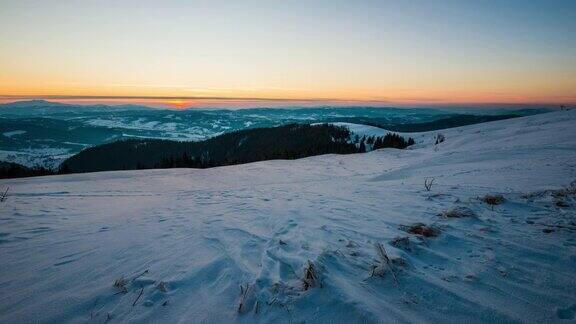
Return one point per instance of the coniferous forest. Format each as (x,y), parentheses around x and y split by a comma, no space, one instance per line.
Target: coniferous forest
(288,142)
(15,170)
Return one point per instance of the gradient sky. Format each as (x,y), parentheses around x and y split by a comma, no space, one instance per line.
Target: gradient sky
(201,53)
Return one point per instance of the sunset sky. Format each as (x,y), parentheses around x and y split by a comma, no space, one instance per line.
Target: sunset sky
(251,53)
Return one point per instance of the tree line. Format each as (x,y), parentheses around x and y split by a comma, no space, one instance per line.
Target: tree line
(286,142)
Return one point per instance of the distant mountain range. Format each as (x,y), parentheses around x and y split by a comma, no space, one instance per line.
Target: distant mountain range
(40,106)
(43,107)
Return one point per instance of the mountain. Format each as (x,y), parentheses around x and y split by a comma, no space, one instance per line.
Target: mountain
(333,238)
(36,103)
(43,107)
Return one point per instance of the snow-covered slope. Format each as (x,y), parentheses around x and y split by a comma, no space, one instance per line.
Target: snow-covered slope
(363,130)
(360,132)
(180,243)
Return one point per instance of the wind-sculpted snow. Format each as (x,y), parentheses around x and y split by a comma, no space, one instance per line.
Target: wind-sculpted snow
(299,236)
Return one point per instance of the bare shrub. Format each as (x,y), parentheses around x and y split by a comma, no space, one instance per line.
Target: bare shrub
(421,229)
(428,182)
(384,261)
(440,138)
(4,195)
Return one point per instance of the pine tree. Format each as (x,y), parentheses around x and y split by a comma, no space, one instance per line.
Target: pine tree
(362,147)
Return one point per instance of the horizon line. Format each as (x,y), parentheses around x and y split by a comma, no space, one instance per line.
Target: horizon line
(440,103)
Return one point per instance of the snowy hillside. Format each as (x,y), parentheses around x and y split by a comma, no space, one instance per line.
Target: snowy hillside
(363,130)
(299,236)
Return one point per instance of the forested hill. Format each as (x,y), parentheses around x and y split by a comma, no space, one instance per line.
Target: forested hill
(285,142)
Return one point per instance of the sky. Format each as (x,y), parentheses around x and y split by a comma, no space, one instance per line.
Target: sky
(250,53)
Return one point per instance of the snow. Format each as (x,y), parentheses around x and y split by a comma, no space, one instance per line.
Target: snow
(364,130)
(368,131)
(13,133)
(185,240)
(45,157)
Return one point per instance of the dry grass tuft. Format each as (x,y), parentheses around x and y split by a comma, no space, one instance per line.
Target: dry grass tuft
(493,200)
(428,182)
(565,192)
(440,138)
(421,229)
(243,296)
(311,278)
(120,284)
(384,261)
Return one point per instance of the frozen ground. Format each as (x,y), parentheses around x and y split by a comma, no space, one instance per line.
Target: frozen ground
(180,243)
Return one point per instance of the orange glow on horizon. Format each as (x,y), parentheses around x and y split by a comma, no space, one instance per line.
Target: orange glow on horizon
(178,103)
(177,99)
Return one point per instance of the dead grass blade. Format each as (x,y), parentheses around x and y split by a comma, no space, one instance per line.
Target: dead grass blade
(384,259)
